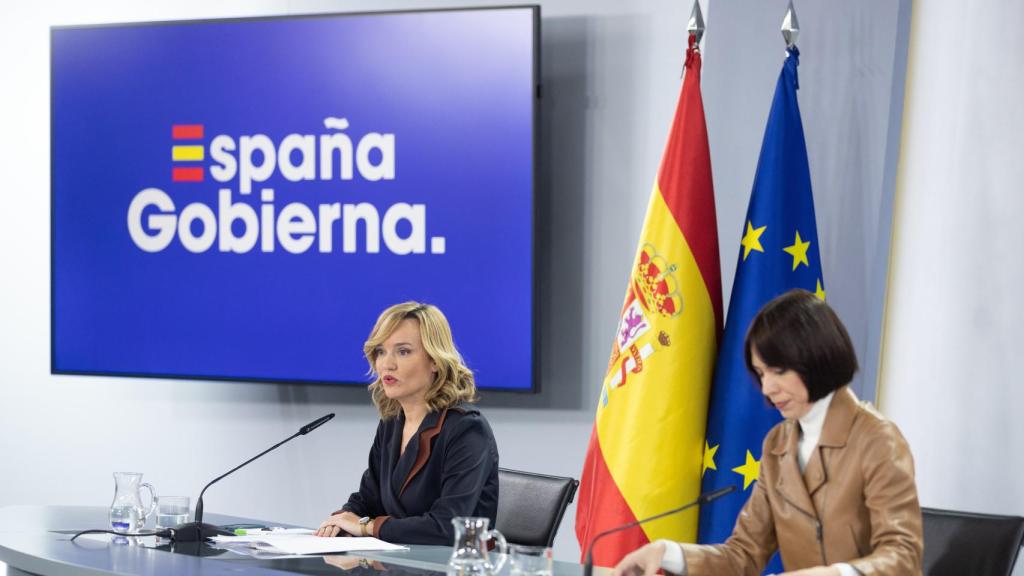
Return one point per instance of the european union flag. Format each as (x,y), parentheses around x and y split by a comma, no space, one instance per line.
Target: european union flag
(778,252)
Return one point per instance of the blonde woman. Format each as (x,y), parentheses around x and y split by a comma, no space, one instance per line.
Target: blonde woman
(434,455)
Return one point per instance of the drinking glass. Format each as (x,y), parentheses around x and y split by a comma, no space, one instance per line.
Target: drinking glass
(530,560)
(171,511)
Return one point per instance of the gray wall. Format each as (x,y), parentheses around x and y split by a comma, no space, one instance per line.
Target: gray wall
(852,67)
(611,78)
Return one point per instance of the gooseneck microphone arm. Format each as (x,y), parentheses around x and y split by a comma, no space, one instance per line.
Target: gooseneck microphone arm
(196,531)
(588,566)
(199,503)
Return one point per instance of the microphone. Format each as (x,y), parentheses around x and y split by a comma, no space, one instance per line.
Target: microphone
(310,427)
(198,531)
(588,566)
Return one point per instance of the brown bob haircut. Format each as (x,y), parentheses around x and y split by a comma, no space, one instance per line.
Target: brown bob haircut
(798,331)
(453,382)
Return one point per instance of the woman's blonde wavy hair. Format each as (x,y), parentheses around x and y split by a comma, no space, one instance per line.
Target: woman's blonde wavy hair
(453,382)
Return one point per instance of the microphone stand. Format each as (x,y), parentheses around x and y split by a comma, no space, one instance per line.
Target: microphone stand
(198,530)
(588,566)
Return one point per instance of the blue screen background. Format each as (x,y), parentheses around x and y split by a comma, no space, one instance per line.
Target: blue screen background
(455,88)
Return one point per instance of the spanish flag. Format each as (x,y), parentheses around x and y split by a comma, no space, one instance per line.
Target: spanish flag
(646,450)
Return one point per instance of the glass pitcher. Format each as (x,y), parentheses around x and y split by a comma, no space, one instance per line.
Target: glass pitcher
(126,512)
(470,556)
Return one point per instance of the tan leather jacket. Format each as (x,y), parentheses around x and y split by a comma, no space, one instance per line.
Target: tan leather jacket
(856,501)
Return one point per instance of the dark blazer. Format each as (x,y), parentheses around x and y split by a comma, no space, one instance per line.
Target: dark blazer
(449,469)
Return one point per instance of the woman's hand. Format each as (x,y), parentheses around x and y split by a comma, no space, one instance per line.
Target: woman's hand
(339,524)
(816,571)
(645,561)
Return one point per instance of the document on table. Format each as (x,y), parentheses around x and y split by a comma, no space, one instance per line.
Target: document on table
(301,542)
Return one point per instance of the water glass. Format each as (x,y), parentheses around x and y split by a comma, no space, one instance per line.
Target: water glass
(530,560)
(171,511)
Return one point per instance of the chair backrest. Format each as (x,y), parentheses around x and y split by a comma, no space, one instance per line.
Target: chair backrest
(531,506)
(959,543)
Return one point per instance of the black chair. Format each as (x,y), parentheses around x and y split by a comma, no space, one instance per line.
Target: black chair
(531,506)
(961,543)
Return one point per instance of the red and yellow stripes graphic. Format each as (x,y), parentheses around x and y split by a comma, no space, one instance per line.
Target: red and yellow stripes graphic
(187,152)
(646,450)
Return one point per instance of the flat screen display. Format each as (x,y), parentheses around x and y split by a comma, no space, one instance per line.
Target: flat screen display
(240,199)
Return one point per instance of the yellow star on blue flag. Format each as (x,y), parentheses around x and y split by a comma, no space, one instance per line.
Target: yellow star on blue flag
(752,239)
(749,470)
(798,250)
(709,458)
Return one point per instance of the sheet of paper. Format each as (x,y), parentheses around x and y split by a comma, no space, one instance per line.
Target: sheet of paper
(318,545)
(308,544)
